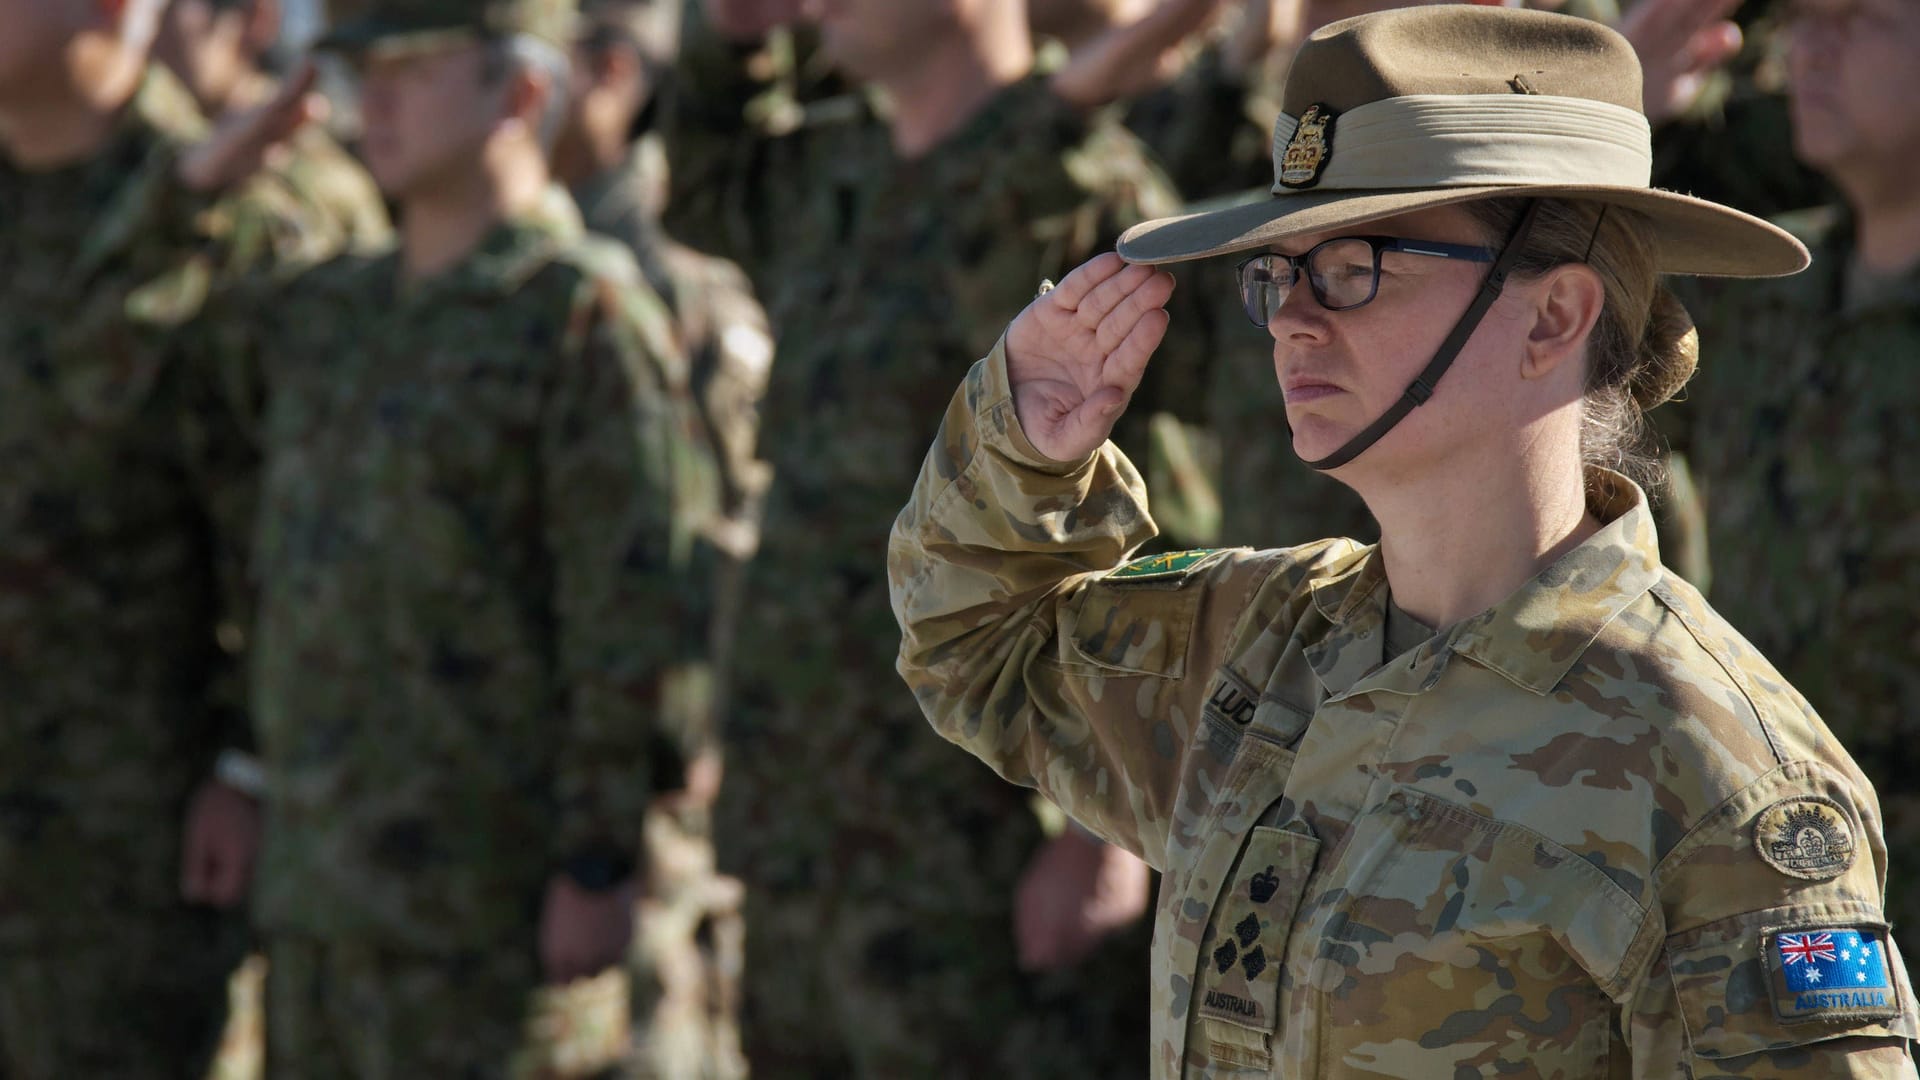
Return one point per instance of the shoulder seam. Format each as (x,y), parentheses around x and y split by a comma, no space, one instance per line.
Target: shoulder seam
(1663,591)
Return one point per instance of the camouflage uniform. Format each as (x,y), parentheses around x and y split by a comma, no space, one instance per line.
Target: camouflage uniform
(881,866)
(1802,432)
(690,919)
(481,580)
(120,523)
(1547,841)
(322,174)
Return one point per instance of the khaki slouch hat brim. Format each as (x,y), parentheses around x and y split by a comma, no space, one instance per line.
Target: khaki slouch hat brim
(1421,107)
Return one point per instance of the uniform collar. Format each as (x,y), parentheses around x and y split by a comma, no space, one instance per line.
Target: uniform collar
(510,254)
(1532,638)
(1536,635)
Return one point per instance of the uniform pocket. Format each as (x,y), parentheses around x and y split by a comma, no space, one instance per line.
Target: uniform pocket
(1246,942)
(1789,977)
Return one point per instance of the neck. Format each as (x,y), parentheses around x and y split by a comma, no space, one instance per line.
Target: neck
(588,152)
(60,125)
(1459,543)
(441,228)
(1886,221)
(947,86)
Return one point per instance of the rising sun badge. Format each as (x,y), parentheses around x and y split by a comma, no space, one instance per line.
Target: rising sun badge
(1807,837)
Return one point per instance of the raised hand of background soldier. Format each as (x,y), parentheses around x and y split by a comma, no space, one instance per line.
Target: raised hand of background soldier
(1077,353)
(582,932)
(1129,60)
(1679,43)
(750,20)
(246,141)
(217,853)
(1076,891)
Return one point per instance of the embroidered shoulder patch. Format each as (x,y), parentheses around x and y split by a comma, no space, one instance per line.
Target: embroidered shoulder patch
(1172,564)
(1805,837)
(1830,973)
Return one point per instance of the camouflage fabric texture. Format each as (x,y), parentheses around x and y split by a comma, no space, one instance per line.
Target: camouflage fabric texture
(1801,428)
(123,547)
(323,175)
(880,865)
(1546,842)
(686,953)
(484,582)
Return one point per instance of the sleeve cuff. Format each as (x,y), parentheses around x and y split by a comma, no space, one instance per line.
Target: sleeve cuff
(1003,432)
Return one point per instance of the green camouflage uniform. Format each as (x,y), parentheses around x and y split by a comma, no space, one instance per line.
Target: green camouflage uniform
(881,867)
(1556,839)
(683,969)
(481,578)
(1802,428)
(322,174)
(1734,145)
(120,523)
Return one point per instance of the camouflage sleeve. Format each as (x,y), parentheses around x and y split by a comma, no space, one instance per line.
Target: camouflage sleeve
(627,487)
(1019,644)
(254,240)
(1773,957)
(704,124)
(219,397)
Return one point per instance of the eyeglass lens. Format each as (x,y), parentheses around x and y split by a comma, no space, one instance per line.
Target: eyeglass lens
(1342,273)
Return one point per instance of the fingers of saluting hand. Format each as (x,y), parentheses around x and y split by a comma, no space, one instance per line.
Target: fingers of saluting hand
(1145,295)
(1084,278)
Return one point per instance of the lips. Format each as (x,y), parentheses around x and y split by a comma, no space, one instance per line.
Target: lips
(1302,389)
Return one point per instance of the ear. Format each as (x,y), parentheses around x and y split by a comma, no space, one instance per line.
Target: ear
(1567,302)
(616,66)
(526,98)
(263,25)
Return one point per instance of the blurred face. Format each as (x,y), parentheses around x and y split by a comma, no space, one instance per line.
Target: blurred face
(36,37)
(206,46)
(1854,70)
(427,117)
(872,39)
(1340,370)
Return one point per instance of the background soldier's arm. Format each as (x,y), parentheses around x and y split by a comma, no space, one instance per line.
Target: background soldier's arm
(628,487)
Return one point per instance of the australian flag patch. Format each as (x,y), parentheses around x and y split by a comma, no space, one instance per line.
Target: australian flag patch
(1831,973)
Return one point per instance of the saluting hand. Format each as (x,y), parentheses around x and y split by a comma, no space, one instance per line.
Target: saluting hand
(1077,353)
(245,142)
(1680,43)
(1130,60)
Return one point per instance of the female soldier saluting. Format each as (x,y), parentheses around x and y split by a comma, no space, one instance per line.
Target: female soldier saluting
(1581,830)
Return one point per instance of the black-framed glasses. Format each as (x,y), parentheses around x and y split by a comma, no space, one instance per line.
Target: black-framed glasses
(1344,272)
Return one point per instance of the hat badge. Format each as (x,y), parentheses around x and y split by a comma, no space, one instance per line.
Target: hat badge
(1310,148)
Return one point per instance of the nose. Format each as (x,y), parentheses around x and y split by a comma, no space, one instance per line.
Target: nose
(1301,320)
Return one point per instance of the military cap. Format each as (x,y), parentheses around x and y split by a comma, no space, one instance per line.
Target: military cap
(389,26)
(1406,109)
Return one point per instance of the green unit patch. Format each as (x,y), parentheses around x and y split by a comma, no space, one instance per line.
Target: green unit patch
(1172,564)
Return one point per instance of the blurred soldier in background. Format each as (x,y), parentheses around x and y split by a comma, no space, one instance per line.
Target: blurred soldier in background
(482,581)
(882,870)
(1805,419)
(124,505)
(686,952)
(218,49)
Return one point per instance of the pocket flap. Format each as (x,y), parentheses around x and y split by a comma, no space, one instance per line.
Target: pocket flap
(1787,977)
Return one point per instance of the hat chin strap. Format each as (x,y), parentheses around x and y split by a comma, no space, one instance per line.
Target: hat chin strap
(1423,384)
